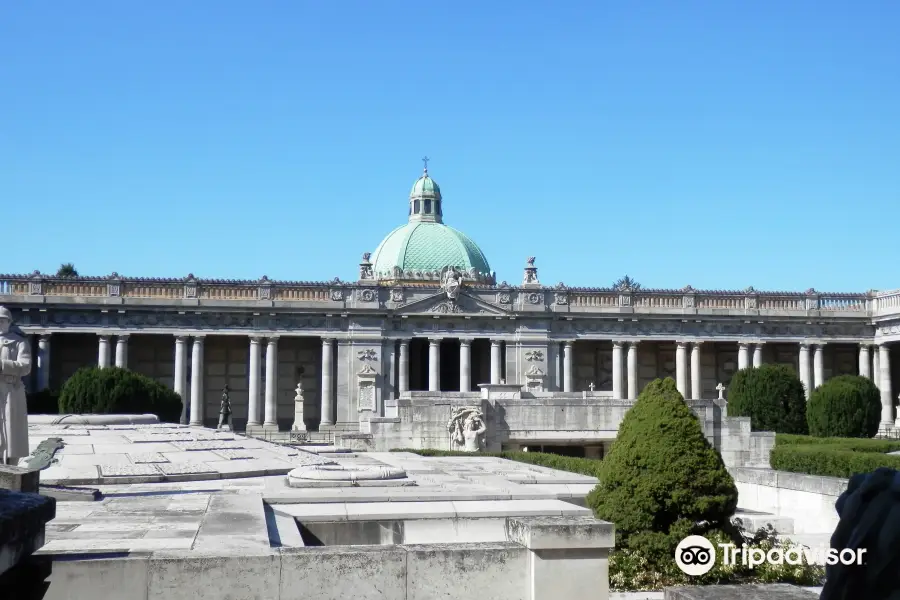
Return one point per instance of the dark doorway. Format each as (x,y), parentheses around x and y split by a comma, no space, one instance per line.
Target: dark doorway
(418,365)
(481,363)
(450,365)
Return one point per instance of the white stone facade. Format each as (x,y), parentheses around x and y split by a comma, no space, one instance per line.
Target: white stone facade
(262,337)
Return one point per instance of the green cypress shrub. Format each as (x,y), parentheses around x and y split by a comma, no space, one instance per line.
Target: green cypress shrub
(112,390)
(662,477)
(772,396)
(846,406)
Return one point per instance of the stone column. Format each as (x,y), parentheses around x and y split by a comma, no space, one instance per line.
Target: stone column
(617,370)
(43,362)
(404,366)
(253,418)
(327,411)
(567,366)
(804,368)
(197,399)
(696,379)
(681,368)
(743,355)
(876,368)
(271,418)
(180,383)
(884,384)
(632,360)
(434,365)
(122,351)
(757,356)
(495,361)
(103,352)
(818,366)
(465,365)
(865,365)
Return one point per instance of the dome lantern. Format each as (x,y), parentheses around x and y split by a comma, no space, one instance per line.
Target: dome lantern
(425,199)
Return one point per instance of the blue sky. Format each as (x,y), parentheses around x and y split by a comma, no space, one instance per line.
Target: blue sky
(719,144)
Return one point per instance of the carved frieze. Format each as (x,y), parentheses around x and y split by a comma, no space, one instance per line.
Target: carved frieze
(504,297)
(367,354)
(561,298)
(366,295)
(337,294)
(397,295)
(534,355)
(534,298)
(447,307)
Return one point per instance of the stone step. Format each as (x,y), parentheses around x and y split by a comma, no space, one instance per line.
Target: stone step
(754,520)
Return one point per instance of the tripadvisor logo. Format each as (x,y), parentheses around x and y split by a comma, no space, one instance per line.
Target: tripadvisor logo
(695,555)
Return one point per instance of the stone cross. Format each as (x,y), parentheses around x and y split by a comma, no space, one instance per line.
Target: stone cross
(721,390)
(591,386)
(425,160)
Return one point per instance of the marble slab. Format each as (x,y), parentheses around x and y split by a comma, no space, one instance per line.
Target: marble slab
(236,454)
(185,468)
(209,445)
(148,457)
(127,470)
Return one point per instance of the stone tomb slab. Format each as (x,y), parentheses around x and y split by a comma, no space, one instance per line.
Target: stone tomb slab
(148,458)
(209,445)
(235,454)
(185,468)
(128,470)
(141,438)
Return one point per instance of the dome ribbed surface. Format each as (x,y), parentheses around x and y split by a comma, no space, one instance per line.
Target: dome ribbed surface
(424,246)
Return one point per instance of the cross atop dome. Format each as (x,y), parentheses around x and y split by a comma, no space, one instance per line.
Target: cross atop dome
(425,160)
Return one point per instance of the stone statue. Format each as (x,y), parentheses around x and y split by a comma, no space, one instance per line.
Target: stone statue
(530,276)
(225,411)
(466,428)
(299,424)
(451,280)
(869,519)
(15,363)
(365,267)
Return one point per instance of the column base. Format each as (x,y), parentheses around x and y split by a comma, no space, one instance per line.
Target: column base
(270,427)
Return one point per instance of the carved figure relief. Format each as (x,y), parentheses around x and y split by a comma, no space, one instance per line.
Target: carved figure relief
(337,295)
(466,428)
(534,298)
(366,295)
(533,355)
(561,298)
(447,307)
(534,379)
(504,298)
(367,354)
(397,295)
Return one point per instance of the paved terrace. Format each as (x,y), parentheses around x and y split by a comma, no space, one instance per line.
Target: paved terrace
(171,487)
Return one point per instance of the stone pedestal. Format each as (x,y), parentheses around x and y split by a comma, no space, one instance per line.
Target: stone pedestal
(19,479)
(299,423)
(568,556)
(23,518)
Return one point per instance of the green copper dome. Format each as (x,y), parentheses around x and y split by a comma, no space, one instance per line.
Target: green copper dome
(424,243)
(428,246)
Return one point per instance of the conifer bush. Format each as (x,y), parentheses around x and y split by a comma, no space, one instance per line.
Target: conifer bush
(846,406)
(662,479)
(112,390)
(772,396)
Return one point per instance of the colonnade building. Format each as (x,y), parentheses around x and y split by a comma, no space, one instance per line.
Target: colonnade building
(427,317)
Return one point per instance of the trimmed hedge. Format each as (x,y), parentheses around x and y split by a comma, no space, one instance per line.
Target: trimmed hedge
(662,477)
(844,406)
(112,390)
(854,444)
(571,464)
(772,396)
(829,460)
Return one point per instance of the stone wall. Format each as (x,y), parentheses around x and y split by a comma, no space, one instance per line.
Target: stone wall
(808,499)
(544,558)
(419,420)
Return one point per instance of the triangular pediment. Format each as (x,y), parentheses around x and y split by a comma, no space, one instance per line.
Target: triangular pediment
(441,304)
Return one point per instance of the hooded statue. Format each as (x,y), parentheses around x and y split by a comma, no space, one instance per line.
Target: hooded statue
(15,363)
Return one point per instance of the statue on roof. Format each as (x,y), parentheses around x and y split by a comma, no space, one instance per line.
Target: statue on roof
(530,277)
(451,281)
